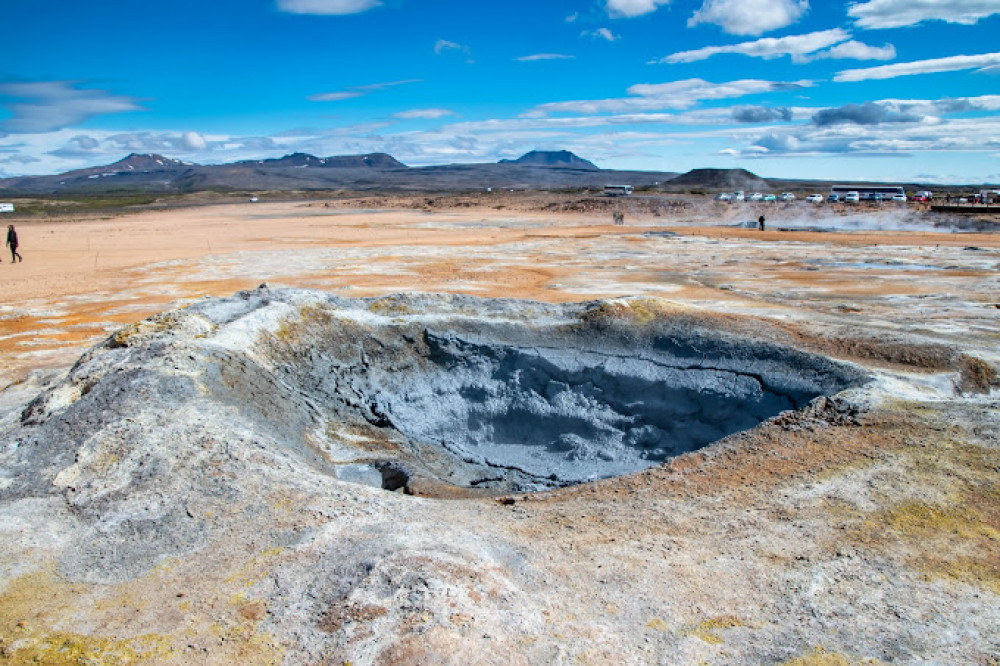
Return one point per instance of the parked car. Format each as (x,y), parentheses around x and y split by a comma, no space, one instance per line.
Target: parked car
(833,197)
(923,195)
(724,196)
(756,196)
(899,197)
(854,197)
(770,197)
(787,196)
(815,198)
(877,197)
(738,195)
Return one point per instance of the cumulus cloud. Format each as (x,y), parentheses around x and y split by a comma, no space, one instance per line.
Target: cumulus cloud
(428,114)
(327,7)
(97,145)
(545,56)
(878,140)
(868,113)
(674,95)
(749,17)
(948,64)
(358,91)
(193,141)
(761,114)
(600,33)
(900,13)
(632,8)
(774,142)
(929,111)
(796,46)
(85,143)
(47,106)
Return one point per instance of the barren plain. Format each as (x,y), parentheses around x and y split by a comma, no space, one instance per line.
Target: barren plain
(863,527)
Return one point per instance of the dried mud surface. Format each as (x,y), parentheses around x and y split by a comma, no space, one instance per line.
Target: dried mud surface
(860,529)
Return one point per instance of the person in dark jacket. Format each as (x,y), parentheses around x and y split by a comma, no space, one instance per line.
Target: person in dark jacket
(760,223)
(12,244)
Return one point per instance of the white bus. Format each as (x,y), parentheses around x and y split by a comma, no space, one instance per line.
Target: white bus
(617,190)
(868,192)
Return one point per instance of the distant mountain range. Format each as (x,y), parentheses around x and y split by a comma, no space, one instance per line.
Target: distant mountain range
(371,161)
(536,170)
(300,171)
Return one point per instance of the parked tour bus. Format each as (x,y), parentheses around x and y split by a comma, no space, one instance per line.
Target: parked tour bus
(617,190)
(868,192)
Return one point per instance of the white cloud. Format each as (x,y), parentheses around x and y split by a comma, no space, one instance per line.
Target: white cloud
(545,56)
(327,7)
(67,149)
(193,141)
(924,111)
(899,13)
(949,64)
(428,114)
(721,116)
(442,46)
(335,96)
(749,17)
(868,113)
(632,8)
(358,91)
(796,46)
(972,135)
(600,33)
(47,106)
(855,50)
(674,95)
(775,142)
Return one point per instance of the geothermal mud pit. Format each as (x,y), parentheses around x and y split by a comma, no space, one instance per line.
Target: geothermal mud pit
(514,396)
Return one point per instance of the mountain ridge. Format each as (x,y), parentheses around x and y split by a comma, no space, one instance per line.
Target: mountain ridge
(552,158)
(301,171)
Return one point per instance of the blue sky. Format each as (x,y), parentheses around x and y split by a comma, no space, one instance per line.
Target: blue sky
(873,89)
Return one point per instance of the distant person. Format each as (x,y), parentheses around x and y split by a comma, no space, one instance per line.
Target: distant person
(12,244)
(760,223)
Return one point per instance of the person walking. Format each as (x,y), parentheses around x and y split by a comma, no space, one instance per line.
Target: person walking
(12,244)
(760,223)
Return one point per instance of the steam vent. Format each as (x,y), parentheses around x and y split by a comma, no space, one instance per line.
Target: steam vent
(426,394)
